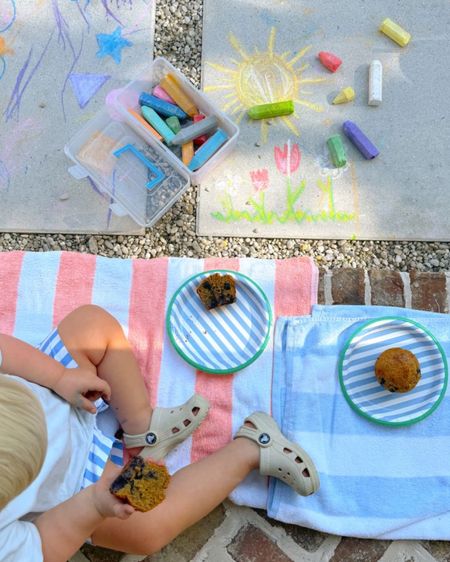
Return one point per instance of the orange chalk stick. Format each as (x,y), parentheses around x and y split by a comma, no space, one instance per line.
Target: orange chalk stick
(187,152)
(170,84)
(146,125)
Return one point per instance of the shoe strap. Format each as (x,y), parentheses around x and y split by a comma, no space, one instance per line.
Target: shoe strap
(261,438)
(148,439)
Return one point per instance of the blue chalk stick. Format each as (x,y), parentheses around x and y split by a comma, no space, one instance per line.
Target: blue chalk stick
(210,147)
(161,106)
(359,139)
(155,120)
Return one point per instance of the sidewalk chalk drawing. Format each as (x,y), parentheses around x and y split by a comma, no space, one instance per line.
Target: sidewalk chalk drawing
(281,188)
(112,45)
(58,60)
(279,181)
(85,86)
(264,77)
(287,160)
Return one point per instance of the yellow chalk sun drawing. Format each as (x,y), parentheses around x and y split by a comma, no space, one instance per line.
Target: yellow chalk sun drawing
(264,77)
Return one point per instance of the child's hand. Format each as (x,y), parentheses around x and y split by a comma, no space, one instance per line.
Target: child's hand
(81,387)
(105,502)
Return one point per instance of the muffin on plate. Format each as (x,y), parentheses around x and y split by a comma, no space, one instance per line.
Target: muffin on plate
(397,369)
(217,290)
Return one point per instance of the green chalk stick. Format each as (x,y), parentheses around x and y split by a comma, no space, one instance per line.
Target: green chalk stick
(267,110)
(173,123)
(337,151)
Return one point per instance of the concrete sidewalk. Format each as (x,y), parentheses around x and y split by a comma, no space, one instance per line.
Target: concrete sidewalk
(239,534)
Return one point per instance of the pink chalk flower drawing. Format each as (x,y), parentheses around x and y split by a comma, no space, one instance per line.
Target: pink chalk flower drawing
(288,158)
(260,179)
(287,162)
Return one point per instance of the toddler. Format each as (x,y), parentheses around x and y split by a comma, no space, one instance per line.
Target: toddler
(56,465)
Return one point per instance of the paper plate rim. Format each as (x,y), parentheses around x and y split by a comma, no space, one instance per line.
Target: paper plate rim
(193,363)
(362,412)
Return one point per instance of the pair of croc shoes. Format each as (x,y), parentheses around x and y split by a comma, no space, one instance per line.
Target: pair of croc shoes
(279,457)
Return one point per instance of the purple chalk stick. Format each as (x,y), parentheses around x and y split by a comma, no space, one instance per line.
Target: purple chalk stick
(359,139)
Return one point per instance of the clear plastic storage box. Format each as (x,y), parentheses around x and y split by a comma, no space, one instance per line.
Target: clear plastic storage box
(143,176)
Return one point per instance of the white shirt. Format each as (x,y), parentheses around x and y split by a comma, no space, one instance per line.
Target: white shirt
(70,433)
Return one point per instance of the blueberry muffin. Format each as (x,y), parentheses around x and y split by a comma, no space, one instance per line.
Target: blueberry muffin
(217,290)
(141,483)
(397,369)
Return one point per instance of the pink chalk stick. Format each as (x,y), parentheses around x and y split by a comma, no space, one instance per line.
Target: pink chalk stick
(162,94)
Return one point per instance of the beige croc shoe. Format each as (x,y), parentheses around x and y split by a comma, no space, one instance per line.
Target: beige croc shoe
(279,457)
(169,427)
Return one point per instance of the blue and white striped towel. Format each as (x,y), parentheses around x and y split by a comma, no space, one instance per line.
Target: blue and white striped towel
(376,481)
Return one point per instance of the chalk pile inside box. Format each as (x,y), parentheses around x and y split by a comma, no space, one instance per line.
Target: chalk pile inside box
(173,118)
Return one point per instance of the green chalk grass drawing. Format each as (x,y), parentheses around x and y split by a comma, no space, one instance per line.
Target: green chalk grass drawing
(287,160)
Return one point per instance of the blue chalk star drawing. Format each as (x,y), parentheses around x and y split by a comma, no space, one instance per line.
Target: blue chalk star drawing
(112,44)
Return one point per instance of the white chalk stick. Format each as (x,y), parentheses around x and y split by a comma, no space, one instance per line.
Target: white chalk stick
(375,83)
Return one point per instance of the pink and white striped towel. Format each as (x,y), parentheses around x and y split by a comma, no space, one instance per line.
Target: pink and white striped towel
(38,289)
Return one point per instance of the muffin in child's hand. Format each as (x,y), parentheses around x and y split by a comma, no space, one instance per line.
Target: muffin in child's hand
(397,369)
(217,290)
(141,483)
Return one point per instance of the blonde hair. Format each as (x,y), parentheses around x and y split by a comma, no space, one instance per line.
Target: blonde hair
(23,438)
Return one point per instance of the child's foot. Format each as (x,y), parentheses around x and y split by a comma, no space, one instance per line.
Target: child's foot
(279,457)
(169,427)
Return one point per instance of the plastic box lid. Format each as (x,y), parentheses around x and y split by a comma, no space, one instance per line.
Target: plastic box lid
(143,180)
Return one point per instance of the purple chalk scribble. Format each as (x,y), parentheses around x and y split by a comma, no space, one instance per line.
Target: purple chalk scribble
(61,25)
(85,86)
(111,200)
(64,37)
(19,90)
(76,57)
(96,188)
(108,11)
(124,4)
(5,178)
(83,13)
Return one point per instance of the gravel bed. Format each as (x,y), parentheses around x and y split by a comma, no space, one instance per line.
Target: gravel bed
(178,36)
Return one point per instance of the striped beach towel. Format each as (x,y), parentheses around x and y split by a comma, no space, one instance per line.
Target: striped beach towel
(38,289)
(377,480)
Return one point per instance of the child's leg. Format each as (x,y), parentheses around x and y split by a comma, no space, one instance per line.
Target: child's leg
(193,492)
(96,340)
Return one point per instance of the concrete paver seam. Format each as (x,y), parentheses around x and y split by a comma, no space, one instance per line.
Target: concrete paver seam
(367,289)
(407,294)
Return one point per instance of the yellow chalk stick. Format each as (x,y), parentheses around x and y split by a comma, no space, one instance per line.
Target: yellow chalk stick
(345,95)
(395,32)
(187,152)
(170,85)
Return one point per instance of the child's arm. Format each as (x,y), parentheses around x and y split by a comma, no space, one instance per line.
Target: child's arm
(78,386)
(66,527)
